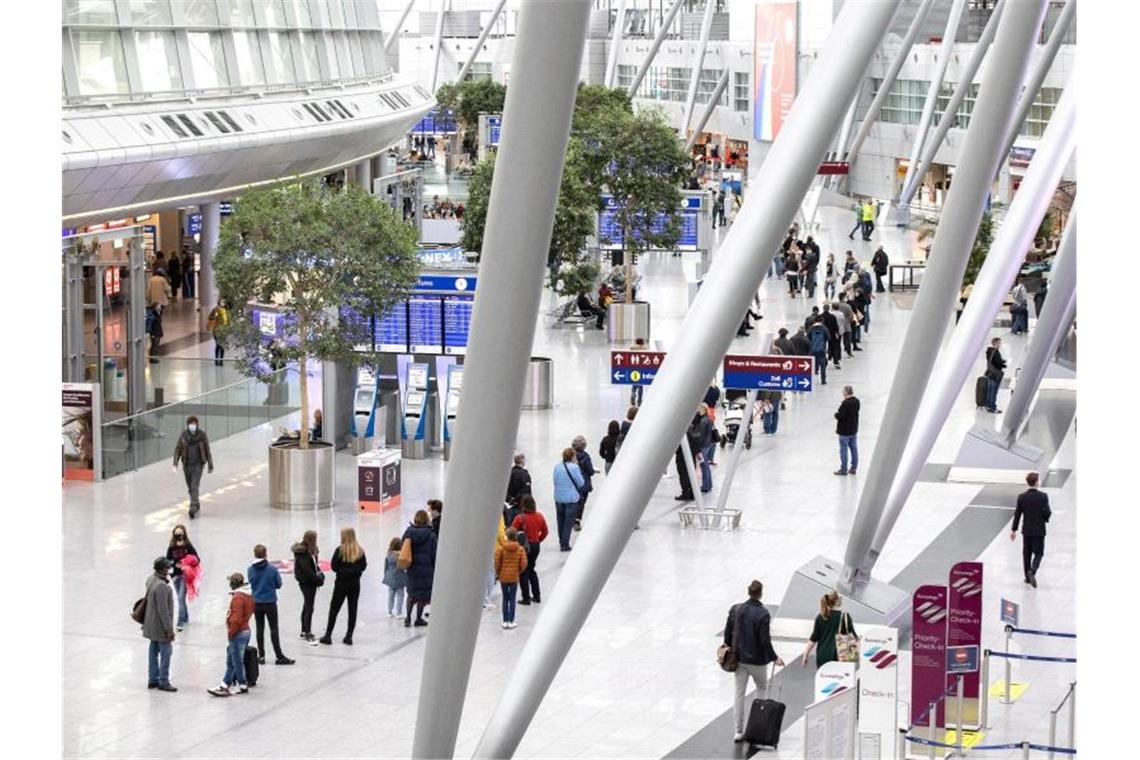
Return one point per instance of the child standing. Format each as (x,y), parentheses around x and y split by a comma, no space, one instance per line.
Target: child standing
(510,561)
(237,627)
(395,579)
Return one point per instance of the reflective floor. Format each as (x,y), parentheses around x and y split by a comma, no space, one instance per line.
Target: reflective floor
(640,680)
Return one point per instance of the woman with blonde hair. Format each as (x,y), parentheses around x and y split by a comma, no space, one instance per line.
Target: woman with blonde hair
(829,623)
(349,563)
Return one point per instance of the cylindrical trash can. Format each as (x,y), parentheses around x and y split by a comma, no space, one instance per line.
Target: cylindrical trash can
(301,478)
(539,390)
(628,323)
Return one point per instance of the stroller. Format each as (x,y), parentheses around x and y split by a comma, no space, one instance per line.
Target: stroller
(733,417)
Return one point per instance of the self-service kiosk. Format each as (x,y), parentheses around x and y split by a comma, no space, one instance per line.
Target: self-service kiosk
(368,428)
(451,406)
(414,431)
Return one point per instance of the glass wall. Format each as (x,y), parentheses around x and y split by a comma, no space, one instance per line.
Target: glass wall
(100,61)
(906,97)
(158,61)
(251,70)
(208,60)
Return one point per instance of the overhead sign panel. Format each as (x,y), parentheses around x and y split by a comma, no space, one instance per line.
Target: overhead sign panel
(772,373)
(634,367)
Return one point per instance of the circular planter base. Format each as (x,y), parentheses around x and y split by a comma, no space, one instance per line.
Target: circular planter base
(301,479)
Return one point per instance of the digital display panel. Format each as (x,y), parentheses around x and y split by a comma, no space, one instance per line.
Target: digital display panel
(456,323)
(392,330)
(425,325)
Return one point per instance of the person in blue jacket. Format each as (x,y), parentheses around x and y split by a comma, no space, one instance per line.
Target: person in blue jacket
(568,486)
(264,580)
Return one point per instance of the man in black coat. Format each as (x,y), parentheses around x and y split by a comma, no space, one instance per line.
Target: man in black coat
(519,484)
(783,342)
(847,428)
(834,347)
(1033,505)
(800,344)
(880,263)
(748,631)
(995,369)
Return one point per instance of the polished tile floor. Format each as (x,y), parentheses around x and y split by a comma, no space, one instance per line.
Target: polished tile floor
(641,678)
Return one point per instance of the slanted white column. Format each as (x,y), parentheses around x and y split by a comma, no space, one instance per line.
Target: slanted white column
(657,40)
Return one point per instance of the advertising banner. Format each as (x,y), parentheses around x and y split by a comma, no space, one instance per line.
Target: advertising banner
(965,625)
(879,685)
(774,67)
(832,678)
(81,420)
(928,648)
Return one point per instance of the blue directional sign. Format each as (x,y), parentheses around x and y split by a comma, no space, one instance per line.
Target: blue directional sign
(494,128)
(768,373)
(634,367)
(962,659)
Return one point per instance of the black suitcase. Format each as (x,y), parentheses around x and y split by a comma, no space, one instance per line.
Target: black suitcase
(765,720)
(981,390)
(251,666)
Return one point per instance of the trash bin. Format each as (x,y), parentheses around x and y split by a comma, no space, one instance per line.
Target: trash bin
(539,390)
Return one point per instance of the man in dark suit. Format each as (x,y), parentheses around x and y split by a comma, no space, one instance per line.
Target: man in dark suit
(1033,505)
(748,631)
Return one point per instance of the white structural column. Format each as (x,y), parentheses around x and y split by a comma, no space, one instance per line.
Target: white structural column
(981,155)
(363,172)
(698,64)
(1002,263)
(399,25)
(707,332)
(444,6)
(714,99)
(536,121)
(615,44)
(479,42)
(950,113)
(888,81)
(207,285)
(935,85)
(1052,323)
(657,40)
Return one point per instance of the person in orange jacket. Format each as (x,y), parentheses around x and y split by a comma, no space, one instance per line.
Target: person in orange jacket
(510,562)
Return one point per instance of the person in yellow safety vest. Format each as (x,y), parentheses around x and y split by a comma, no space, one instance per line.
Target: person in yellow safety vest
(868,219)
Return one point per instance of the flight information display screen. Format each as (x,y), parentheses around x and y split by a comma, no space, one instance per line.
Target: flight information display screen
(610,234)
(392,330)
(456,323)
(425,325)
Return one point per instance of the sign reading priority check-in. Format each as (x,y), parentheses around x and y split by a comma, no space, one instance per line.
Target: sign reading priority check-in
(634,367)
(768,373)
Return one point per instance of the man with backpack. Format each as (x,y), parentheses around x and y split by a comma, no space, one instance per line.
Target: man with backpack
(748,632)
(818,339)
(158,624)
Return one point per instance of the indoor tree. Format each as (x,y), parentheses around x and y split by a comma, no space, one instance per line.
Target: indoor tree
(468,99)
(335,257)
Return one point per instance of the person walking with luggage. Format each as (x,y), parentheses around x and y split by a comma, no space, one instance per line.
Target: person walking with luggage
(847,428)
(1033,506)
(533,525)
(237,633)
(307,571)
(607,449)
(748,633)
(395,578)
(178,550)
(995,370)
(880,263)
(158,625)
(586,467)
(193,450)
(510,563)
(421,571)
(349,563)
(830,623)
(265,579)
(568,485)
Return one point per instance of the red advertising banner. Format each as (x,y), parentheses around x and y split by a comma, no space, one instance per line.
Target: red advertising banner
(774,67)
(965,624)
(928,652)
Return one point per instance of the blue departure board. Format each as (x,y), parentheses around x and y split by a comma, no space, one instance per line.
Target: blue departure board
(361,325)
(610,234)
(456,323)
(494,129)
(425,325)
(392,330)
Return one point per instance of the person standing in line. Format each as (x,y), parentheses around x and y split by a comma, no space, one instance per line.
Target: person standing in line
(783,342)
(1019,310)
(711,399)
(395,578)
(193,450)
(818,339)
(307,571)
(607,449)
(995,370)
(626,424)
(792,270)
(265,579)
(435,514)
(834,334)
(187,267)
(218,318)
(510,562)
(586,467)
(421,572)
(519,484)
(568,485)
(847,428)
(237,633)
(349,563)
(533,525)
(748,631)
(830,277)
(880,263)
(702,433)
(849,265)
(174,274)
(178,549)
(158,625)
(829,623)
(1033,505)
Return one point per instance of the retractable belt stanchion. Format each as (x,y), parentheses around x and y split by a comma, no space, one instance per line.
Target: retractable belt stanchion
(1007,697)
(961,727)
(932,723)
(983,709)
(1073,716)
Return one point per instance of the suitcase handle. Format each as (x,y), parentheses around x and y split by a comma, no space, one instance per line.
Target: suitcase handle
(768,686)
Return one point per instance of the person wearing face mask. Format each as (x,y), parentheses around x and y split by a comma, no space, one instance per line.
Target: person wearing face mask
(829,623)
(158,625)
(193,449)
(180,548)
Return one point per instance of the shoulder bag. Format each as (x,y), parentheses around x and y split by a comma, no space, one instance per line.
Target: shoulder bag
(846,644)
(726,655)
(404,558)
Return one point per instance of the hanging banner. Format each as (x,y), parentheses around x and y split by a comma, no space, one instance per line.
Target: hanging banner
(879,686)
(832,678)
(965,626)
(928,652)
(81,429)
(774,67)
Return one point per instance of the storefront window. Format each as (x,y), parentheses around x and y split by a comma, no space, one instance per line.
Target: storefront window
(208,60)
(251,71)
(102,69)
(158,61)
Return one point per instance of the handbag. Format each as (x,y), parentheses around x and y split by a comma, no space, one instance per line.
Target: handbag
(138,611)
(726,655)
(846,644)
(404,558)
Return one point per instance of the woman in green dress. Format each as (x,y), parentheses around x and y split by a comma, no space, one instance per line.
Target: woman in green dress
(830,622)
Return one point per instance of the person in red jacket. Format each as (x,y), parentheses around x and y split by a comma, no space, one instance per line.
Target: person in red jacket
(533,524)
(237,628)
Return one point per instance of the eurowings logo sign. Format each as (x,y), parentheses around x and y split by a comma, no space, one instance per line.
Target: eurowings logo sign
(832,688)
(880,657)
(930,612)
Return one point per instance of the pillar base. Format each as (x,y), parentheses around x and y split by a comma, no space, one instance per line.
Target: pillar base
(869,602)
(986,458)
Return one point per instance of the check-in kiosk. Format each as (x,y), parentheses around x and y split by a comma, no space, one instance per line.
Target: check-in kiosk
(368,428)
(414,431)
(451,406)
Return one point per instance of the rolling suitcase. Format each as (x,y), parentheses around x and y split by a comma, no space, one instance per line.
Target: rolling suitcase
(765,719)
(981,388)
(251,666)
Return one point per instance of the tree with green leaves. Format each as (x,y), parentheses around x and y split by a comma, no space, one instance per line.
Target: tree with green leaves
(337,258)
(468,99)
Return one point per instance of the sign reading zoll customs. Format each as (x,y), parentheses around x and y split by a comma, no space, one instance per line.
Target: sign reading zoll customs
(964,627)
(929,612)
(879,685)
